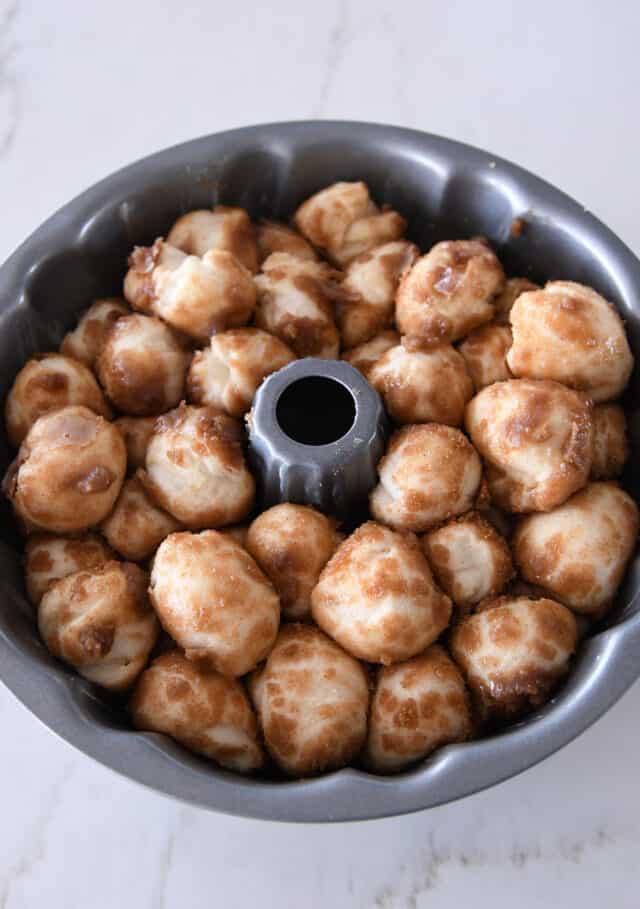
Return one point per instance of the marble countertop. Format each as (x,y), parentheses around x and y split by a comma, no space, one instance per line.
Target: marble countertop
(87,87)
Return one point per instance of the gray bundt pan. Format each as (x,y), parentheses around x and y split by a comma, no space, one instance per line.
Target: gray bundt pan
(446,190)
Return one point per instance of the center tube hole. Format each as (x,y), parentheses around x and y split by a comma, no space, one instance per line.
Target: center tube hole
(316,410)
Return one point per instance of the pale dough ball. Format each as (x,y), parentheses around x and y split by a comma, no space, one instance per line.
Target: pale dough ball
(136,526)
(49,558)
(376,596)
(578,552)
(429,473)
(274,237)
(195,468)
(312,700)
(198,296)
(508,296)
(214,601)
(101,623)
(46,383)
(199,708)
(610,448)
(142,366)
(228,373)
(136,432)
(343,221)
(448,292)
(292,544)
(485,353)
(536,439)
(569,333)
(365,355)
(419,386)
(295,299)
(417,706)
(513,654)
(197,232)
(68,472)
(85,341)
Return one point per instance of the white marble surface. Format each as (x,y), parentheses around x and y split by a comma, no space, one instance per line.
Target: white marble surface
(87,87)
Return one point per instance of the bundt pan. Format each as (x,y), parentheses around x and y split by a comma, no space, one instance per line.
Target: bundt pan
(446,190)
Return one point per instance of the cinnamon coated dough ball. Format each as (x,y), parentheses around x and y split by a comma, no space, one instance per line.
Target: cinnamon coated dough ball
(68,472)
(292,544)
(295,299)
(363,356)
(46,383)
(429,473)
(198,296)
(610,448)
(275,237)
(343,221)
(195,468)
(569,333)
(199,708)
(448,292)
(508,296)
(578,552)
(49,558)
(536,439)
(228,373)
(376,596)
(101,623)
(142,366)
(312,700)
(419,386)
(469,558)
(513,654)
(136,526)
(485,354)
(85,341)
(417,706)
(136,432)
(198,232)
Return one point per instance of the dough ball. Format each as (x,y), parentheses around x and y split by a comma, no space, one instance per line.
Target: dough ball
(68,472)
(312,700)
(229,372)
(376,596)
(536,438)
(101,623)
(195,468)
(230,229)
(578,552)
(199,708)
(85,341)
(514,653)
(569,333)
(610,449)
(49,558)
(136,432)
(508,296)
(274,237)
(237,532)
(485,353)
(448,292)
(419,386)
(417,706)
(365,355)
(292,544)
(343,221)
(136,526)
(46,383)
(214,601)
(429,473)
(469,558)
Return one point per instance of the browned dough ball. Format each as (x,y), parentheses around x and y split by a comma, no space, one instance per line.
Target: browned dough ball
(312,700)
(136,432)
(536,439)
(485,353)
(429,473)
(569,333)
(508,296)
(420,386)
(142,366)
(274,237)
(226,228)
(228,373)
(49,558)
(343,221)
(195,468)
(136,526)
(45,383)
(417,706)
(68,472)
(365,355)
(376,596)
(101,623)
(85,341)
(199,708)
(513,654)
(292,544)
(610,448)
(448,292)
(214,601)
(578,552)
